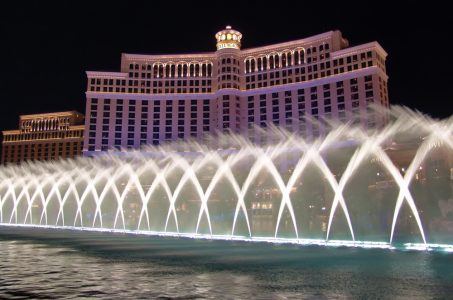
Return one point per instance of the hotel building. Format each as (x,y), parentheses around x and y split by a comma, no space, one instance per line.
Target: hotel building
(160,98)
(47,136)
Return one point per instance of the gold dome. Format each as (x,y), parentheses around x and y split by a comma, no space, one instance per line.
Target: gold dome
(228,38)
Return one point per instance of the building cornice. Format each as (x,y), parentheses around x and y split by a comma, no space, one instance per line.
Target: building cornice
(76,127)
(359,49)
(11,132)
(281,46)
(17,131)
(101,74)
(48,115)
(168,57)
(90,94)
(37,141)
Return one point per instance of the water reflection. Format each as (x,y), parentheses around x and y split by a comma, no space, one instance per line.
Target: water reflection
(56,264)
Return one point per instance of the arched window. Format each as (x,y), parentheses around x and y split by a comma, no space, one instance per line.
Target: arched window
(264,63)
(203,70)
(284,60)
(302,56)
(296,57)
(192,70)
(167,71)
(197,70)
(247,66)
(179,72)
(277,61)
(155,70)
(172,71)
(260,65)
(271,62)
(136,66)
(161,71)
(184,71)
(148,67)
(210,70)
(228,61)
(289,60)
(252,65)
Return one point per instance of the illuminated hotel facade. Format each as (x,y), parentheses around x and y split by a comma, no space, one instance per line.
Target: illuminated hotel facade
(160,98)
(49,136)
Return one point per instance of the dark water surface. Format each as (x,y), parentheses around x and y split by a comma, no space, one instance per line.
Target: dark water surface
(42,263)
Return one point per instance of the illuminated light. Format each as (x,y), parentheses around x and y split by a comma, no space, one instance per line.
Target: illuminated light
(228,38)
(302,242)
(227,45)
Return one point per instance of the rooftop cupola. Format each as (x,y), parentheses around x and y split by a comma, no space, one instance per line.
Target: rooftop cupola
(228,38)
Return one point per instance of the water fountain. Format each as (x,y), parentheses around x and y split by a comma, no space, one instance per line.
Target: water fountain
(387,188)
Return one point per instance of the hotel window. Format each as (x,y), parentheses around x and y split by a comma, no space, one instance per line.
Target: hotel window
(314,103)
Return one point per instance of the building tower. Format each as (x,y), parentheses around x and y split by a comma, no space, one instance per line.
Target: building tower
(228,79)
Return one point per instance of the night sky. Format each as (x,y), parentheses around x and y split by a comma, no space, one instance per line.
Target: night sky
(47,47)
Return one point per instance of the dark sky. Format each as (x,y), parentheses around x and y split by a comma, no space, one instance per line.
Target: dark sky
(47,47)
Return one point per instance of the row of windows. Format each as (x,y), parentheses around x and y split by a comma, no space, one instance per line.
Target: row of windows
(146,86)
(286,58)
(172,70)
(309,72)
(145,103)
(43,135)
(46,124)
(147,83)
(17,153)
(228,61)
